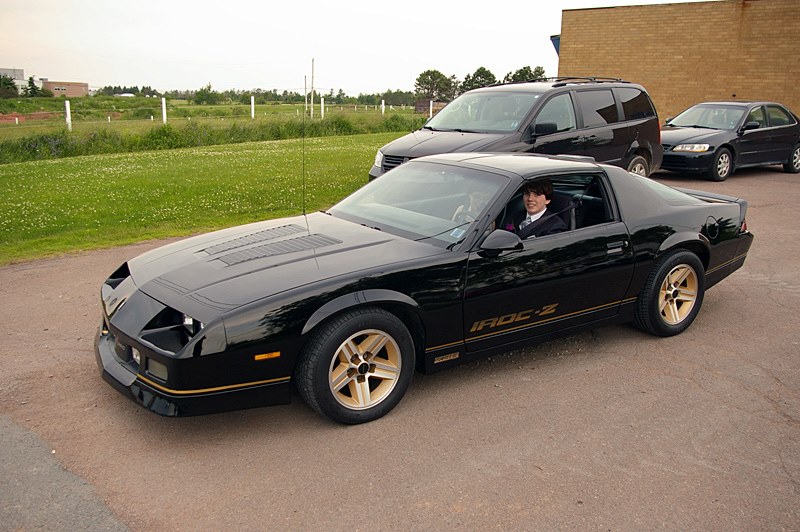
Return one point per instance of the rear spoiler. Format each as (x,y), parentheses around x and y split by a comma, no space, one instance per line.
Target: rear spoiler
(713,197)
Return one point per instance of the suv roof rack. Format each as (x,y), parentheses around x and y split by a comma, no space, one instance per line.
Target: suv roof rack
(561,81)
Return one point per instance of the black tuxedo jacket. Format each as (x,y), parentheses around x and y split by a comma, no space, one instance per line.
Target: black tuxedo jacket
(548,224)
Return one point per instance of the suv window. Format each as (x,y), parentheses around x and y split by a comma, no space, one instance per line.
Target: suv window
(778,117)
(635,104)
(598,107)
(559,111)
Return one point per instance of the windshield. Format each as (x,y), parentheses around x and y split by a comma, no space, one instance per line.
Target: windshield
(484,112)
(709,116)
(432,202)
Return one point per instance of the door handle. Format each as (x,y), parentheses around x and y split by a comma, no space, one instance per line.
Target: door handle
(616,247)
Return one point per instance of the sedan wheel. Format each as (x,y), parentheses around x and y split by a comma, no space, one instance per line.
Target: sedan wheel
(793,164)
(357,367)
(672,296)
(639,166)
(722,166)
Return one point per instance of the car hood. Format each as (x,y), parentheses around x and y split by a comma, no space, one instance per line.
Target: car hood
(671,135)
(426,142)
(220,271)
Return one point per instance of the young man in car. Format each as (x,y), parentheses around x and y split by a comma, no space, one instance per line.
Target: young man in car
(539,220)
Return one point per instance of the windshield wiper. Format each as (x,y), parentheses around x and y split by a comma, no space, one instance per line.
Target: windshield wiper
(692,125)
(429,128)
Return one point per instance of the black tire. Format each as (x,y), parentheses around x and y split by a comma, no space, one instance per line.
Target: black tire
(722,166)
(672,295)
(793,164)
(341,377)
(639,166)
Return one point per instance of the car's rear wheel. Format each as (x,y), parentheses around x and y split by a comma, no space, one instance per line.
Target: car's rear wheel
(357,367)
(672,295)
(639,166)
(793,164)
(722,166)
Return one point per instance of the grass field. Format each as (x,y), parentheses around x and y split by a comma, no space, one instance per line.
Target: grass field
(138,119)
(78,203)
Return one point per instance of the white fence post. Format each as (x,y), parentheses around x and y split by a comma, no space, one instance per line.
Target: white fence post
(430,110)
(68,114)
(164,110)
(383,107)
(252,107)
(322,108)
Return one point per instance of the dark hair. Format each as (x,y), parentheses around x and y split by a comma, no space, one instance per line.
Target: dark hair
(540,187)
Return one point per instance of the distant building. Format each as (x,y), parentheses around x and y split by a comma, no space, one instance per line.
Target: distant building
(17,74)
(13,73)
(70,89)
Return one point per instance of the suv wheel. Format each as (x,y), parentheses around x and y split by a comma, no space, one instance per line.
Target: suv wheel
(639,166)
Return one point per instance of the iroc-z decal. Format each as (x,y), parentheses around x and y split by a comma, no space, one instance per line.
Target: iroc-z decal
(514,317)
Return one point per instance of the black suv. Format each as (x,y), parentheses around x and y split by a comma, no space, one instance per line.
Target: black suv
(609,119)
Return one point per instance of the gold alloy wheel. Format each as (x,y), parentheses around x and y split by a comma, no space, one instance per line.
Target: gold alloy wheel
(678,294)
(365,369)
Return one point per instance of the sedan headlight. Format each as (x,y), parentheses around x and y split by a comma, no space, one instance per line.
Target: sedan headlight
(379,159)
(691,147)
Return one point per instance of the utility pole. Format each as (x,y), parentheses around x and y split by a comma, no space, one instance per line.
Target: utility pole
(312,87)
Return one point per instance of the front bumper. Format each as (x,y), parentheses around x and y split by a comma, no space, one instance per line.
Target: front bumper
(676,161)
(163,401)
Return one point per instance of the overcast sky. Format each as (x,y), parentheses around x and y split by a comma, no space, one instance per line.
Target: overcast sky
(358,46)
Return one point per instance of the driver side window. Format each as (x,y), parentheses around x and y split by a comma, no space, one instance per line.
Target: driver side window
(559,111)
(757,115)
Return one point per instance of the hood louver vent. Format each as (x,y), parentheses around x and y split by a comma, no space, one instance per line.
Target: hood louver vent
(255,238)
(291,245)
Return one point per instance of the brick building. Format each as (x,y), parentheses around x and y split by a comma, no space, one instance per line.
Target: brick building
(685,53)
(71,89)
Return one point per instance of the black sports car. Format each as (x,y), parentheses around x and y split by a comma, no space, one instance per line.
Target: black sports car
(716,138)
(415,269)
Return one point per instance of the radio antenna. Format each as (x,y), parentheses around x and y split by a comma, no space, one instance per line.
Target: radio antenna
(303,164)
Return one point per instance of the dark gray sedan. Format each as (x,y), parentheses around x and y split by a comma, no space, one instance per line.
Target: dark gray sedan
(716,138)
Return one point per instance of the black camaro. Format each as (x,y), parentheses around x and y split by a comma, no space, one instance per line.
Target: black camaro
(716,138)
(415,270)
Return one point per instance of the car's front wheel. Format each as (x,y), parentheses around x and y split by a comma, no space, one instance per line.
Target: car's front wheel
(793,164)
(722,166)
(672,295)
(639,166)
(357,367)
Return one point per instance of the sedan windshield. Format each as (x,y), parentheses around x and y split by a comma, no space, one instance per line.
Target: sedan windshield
(423,201)
(484,112)
(709,116)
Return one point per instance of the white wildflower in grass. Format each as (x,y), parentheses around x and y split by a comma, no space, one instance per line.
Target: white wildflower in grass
(60,205)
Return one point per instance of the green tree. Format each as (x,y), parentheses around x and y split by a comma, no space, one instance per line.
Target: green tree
(525,74)
(8,89)
(434,85)
(481,78)
(206,96)
(31,90)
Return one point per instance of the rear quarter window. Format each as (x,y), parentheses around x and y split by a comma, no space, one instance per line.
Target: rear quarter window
(597,107)
(778,117)
(635,104)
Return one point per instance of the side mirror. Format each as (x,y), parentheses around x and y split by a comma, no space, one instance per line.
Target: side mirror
(500,240)
(545,128)
(751,125)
